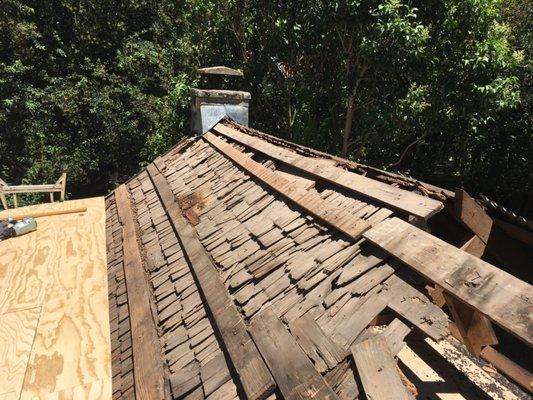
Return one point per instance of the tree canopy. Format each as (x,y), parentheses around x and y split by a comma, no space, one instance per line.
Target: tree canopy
(438,89)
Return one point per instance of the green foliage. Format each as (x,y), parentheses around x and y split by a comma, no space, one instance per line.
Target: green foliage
(102,87)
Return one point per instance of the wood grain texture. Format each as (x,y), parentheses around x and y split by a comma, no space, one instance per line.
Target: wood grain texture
(325,353)
(295,375)
(503,298)
(61,268)
(314,204)
(17,331)
(377,370)
(253,373)
(147,358)
(97,390)
(72,341)
(396,198)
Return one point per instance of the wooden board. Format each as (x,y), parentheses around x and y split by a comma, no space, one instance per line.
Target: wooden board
(469,369)
(253,373)
(444,372)
(295,375)
(325,353)
(17,331)
(475,329)
(506,250)
(395,334)
(377,370)
(314,204)
(472,215)
(61,269)
(347,331)
(147,358)
(396,198)
(500,296)
(508,367)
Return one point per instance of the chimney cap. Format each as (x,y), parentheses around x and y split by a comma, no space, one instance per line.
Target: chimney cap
(220,70)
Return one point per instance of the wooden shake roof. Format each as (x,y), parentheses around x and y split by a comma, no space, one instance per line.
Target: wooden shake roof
(241,266)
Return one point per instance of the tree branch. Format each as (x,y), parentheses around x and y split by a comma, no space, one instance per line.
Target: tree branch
(404,153)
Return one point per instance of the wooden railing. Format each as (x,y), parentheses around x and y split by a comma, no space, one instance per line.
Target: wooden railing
(58,187)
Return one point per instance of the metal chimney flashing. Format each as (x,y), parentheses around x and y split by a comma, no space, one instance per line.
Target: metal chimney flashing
(209,106)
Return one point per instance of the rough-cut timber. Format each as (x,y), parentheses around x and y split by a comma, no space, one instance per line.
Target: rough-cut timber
(295,375)
(503,298)
(344,222)
(377,369)
(146,349)
(475,329)
(253,373)
(408,202)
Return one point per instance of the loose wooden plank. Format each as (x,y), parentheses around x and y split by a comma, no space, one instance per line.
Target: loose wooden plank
(399,199)
(394,334)
(314,204)
(294,373)
(508,367)
(147,359)
(377,370)
(413,306)
(253,373)
(472,215)
(17,331)
(320,348)
(500,296)
(348,330)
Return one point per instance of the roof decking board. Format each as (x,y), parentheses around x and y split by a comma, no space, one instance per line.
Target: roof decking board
(377,369)
(58,271)
(121,352)
(146,349)
(500,296)
(409,202)
(295,375)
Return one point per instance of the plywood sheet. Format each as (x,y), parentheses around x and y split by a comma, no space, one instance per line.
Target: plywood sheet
(17,330)
(61,269)
(100,389)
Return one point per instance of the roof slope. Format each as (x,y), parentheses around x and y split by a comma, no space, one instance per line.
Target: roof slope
(249,261)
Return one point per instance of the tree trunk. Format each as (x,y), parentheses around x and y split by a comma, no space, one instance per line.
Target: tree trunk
(350,109)
(348,125)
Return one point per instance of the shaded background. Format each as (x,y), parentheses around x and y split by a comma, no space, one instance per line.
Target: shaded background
(440,90)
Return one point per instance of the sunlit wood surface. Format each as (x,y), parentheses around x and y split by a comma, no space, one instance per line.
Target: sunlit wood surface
(54,324)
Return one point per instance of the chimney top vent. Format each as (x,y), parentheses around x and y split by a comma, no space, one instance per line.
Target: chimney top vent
(209,106)
(220,70)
